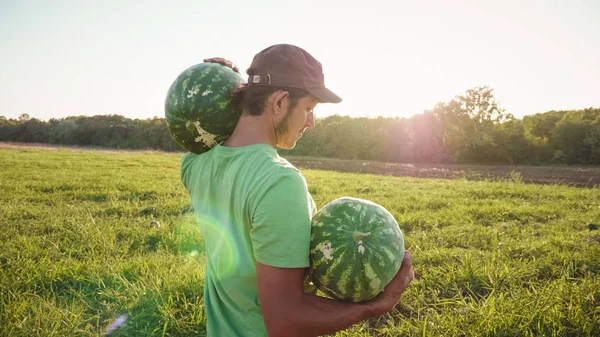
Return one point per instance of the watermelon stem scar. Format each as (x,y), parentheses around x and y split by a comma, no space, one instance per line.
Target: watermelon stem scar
(359,236)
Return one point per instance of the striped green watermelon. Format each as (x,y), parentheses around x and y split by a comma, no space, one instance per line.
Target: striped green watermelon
(356,249)
(199,110)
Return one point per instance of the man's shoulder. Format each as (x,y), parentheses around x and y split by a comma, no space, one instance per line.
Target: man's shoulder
(281,169)
(187,158)
(269,171)
(285,166)
(267,160)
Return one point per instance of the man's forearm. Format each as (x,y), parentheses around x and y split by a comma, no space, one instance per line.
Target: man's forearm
(317,316)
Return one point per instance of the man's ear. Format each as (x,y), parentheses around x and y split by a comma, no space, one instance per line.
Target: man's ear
(279,101)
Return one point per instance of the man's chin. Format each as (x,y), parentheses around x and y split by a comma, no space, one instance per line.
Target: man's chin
(286,146)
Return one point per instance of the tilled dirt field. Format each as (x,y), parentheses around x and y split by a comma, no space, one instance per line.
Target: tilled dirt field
(568,175)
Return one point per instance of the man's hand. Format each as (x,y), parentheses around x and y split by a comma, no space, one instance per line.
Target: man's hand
(222,61)
(389,297)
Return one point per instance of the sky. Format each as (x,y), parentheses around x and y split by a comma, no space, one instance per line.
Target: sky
(384,58)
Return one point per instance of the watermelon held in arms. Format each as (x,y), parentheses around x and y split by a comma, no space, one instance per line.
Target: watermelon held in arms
(356,249)
(199,109)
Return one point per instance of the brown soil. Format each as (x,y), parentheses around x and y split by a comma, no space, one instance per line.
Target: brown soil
(568,175)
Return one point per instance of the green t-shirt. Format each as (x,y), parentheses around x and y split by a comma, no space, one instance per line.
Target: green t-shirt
(251,205)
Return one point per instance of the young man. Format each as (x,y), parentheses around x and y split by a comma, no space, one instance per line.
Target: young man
(254,211)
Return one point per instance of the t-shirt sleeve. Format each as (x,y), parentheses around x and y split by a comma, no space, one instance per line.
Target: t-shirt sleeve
(281,223)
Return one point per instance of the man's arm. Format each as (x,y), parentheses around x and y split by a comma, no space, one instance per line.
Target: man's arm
(288,311)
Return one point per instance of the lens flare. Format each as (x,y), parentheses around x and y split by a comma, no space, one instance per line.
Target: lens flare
(116,324)
(219,238)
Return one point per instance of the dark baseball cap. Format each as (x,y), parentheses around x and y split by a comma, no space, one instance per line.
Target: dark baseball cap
(285,65)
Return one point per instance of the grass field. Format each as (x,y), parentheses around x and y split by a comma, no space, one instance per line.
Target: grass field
(87,237)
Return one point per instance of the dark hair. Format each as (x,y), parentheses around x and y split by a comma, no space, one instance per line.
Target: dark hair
(251,99)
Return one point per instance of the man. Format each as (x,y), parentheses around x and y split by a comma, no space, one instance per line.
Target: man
(254,211)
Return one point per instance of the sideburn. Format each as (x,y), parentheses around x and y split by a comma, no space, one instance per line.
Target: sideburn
(282,128)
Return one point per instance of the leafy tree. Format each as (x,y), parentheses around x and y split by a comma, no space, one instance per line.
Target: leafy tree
(575,136)
(592,141)
(468,124)
(542,124)
(62,132)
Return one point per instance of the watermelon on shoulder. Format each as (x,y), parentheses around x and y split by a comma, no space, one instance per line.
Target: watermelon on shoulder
(199,109)
(356,249)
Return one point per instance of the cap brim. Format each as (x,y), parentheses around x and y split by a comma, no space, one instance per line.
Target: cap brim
(325,95)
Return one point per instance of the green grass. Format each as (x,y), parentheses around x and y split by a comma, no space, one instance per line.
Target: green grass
(78,248)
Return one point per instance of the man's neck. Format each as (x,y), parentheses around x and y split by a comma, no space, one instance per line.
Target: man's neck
(252,130)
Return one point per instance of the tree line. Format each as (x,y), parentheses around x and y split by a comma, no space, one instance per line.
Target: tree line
(109,131)
(469,129)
